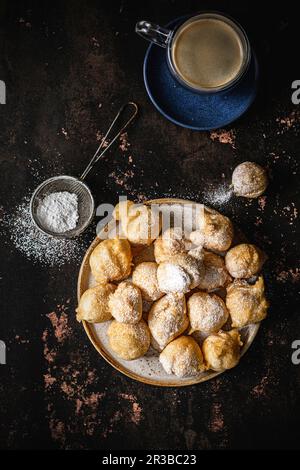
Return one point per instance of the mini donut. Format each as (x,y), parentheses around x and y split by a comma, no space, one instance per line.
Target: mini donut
(249,180)
(215,272)
(173,278)
(246,303)
(129,341)
(171,242)
(193,266)
(207,312)
(244,260)
(93,304)
(111,260)
(125,303)
(181,273)
(221,350)
(214,233)
(141,225)
(167,319)
(144,276)
(182,357)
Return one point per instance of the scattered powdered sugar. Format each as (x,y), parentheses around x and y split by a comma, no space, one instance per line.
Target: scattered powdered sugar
(58,212)
(35,245)
(219,196)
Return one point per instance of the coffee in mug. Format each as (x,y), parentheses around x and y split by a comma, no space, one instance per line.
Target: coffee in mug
(209,52)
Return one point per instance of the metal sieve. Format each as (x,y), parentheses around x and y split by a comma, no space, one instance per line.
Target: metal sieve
(71,184)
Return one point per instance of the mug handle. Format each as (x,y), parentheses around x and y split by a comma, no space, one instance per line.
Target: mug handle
(153,33)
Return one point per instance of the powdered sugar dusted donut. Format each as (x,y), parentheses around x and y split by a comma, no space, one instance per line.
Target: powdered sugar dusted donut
(215,232)
(125,304)
(144,276)
(93,305)
(129,341)
(244,260)
(222,350)
(182,357)
(172,242)
(249,180)
(167,319)
(173,278)
(180,273)
(111,260)
(246,302)
(141,225)
(207,312)
(215,272)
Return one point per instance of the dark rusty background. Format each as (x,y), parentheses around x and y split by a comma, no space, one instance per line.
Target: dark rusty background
(61,61)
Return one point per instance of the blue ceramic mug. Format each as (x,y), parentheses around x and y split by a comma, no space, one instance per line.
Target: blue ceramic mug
(208,53)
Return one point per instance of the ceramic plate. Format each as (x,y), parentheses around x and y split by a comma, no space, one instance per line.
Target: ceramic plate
(146,369)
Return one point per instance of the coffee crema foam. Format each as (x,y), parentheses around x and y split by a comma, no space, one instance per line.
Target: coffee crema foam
(207,53)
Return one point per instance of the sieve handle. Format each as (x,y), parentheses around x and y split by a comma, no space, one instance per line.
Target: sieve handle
(98,154)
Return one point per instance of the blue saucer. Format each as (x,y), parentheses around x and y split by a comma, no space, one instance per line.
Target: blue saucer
(193,110)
